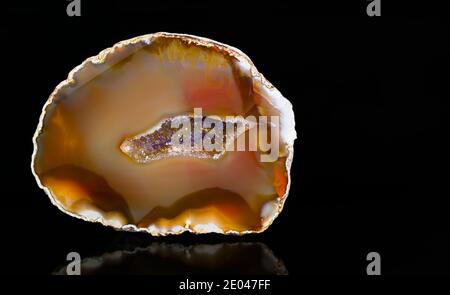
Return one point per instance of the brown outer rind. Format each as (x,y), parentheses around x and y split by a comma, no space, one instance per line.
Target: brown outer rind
(147,39)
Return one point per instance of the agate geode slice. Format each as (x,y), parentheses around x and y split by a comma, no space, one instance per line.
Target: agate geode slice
(101,149)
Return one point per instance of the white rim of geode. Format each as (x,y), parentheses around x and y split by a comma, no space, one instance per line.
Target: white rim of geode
(100,58)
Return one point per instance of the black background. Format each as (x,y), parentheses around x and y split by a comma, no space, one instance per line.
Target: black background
(370,96)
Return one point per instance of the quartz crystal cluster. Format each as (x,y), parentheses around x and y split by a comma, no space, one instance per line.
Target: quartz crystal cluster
(106,150)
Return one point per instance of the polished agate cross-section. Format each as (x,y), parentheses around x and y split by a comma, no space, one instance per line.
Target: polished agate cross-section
(103,148)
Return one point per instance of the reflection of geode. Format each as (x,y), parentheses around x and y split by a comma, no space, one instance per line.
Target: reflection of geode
(103,153)
(163,258)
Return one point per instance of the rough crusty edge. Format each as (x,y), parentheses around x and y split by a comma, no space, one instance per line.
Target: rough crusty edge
(147,39)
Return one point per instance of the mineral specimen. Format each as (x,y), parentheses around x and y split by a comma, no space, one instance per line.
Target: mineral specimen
(241,258)
(120,141)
